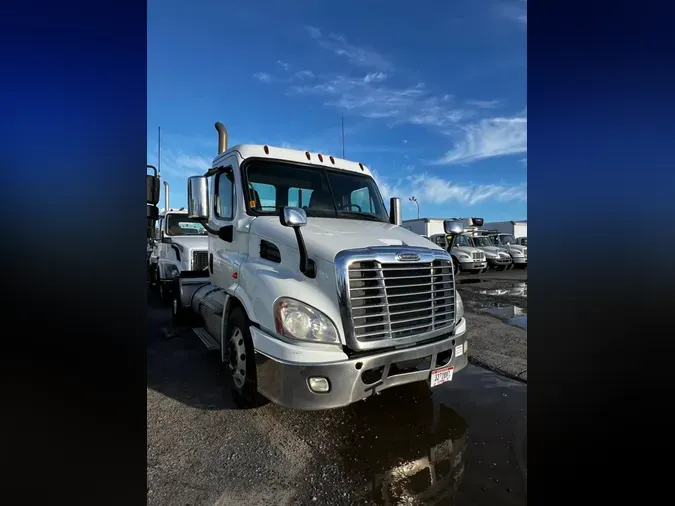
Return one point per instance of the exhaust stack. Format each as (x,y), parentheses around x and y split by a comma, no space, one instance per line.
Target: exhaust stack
(222,137)
(166,197)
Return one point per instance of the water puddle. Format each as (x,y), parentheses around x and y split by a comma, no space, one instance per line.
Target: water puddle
(407,456)
(513,315)
(510,290)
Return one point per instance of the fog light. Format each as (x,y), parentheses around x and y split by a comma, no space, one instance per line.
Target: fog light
(319,385)
(466,346)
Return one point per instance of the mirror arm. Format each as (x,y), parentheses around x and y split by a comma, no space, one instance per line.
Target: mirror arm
(307,267)
(204,223)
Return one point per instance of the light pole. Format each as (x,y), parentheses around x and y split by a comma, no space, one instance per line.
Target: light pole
(413,199)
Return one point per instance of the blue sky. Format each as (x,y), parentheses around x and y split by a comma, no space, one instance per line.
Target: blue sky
(433,94)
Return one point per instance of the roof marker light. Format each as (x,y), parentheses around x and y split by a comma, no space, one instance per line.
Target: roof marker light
(320,157)
(361,167)
(267,150)
(307,154)
(332,160)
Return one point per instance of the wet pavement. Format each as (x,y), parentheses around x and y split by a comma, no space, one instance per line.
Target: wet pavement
(497,293)
(496,311)
(463,442)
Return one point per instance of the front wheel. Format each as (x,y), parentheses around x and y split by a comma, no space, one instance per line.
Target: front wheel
(240,360)
(455,267)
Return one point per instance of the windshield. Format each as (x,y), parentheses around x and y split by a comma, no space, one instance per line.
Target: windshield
(502,239)
(482,242)
(462,240)
(180,224)
(322,193)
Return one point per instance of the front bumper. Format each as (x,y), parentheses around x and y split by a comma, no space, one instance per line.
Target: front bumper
(472,266)
(287,384)
(520,260)
(500,261)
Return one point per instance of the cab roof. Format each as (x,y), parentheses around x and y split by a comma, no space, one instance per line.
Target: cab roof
(293,155)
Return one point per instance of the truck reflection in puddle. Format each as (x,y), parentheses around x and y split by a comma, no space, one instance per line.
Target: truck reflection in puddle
(513,315)
(515,290)
(414,458)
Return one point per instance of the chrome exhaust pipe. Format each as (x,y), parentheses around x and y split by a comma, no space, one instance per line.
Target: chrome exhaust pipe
(222,137)
(166,197)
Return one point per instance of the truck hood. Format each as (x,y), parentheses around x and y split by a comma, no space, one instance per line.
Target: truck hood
(515,247)
(325,237)
(191,242)
(493,249)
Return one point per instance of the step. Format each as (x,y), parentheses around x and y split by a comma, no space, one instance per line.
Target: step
(206,338)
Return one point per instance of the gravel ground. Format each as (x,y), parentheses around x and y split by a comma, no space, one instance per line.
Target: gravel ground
(461,443)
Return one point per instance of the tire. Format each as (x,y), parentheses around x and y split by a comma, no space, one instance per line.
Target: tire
(238,343)
(455,267)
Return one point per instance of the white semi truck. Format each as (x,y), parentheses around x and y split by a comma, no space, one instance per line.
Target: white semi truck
(180,244)
(314,296)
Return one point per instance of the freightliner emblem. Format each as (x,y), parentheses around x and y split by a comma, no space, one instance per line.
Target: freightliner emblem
(407,257)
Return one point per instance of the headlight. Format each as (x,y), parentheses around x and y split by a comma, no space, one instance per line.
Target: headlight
(300,321)
(516,253)
(171,271)
(463,255)
(459,307)
(490,255)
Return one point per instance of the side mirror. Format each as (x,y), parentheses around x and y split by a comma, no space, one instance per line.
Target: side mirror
(453,227)
(293,217)
(152,186)
(296,218)
(395,211)
(166,240)
(198,197)
(152,213)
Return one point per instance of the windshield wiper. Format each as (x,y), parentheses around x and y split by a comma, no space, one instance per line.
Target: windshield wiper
(361,216)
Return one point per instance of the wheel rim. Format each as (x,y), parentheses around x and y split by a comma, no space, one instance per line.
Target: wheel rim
(237,358)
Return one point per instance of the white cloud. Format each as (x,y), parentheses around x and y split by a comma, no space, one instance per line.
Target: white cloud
(487,139)
(483,104)
(436,190)
(263,77)
(370,99)
(375,77)
(283,65)
(314,32)
(181,164)
(304,74)
(515,10)
(356,55)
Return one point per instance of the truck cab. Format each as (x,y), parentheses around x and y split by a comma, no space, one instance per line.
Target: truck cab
(465,256)
(180,244)
(508,242)
(314,296)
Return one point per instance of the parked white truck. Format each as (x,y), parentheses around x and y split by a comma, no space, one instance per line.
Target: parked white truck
(517,251)
(315,297)
(465,257)
(180,244)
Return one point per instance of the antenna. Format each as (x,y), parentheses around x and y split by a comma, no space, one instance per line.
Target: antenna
(159,150)
(343,136)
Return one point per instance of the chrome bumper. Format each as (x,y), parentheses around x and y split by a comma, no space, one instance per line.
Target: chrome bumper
(286,383)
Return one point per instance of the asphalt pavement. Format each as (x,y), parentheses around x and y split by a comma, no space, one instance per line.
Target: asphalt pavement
(463,442)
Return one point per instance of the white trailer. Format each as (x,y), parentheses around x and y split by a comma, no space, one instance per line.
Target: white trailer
(516,228)
(321,301)
(425,226)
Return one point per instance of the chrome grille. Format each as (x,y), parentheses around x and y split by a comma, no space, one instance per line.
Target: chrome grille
(200,260)
(525,251)
(478,255)
(400,300)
